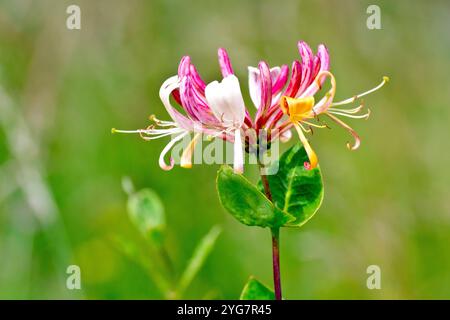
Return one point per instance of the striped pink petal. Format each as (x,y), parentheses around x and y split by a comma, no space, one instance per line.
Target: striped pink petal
(294,83)
(280,80)
(307,66)
(225,63)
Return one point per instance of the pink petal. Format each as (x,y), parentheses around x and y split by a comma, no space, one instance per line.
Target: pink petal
(322,53)
(187,98)
(197,79)
(225,64)
(183,67)
(281,79)
(266,86)
(307,66)
(294,83)
(324,59)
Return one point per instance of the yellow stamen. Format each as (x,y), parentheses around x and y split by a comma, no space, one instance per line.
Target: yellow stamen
(321,126)
(349,111)
(348,115)
(313,160)
(186,158)
(353,99)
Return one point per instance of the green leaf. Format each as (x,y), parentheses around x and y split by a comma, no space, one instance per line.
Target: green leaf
(296,190)
(255,290)
(245,202)
(146,211)
(198,258)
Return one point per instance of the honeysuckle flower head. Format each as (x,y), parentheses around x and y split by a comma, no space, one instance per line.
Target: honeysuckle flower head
(216,109)
(299,104)
(283,98)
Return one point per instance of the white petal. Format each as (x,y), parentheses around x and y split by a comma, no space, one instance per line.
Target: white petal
(238,153)
(254,86)
(162,162)
(226,102)
(164,93)
(254,83)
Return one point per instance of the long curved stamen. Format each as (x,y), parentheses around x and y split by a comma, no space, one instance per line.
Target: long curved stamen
(357,142)
(303,128)
(363,116)
(353,99)
(349,111)
(114,130)
(162,123)
(151,133)
(156,131)
(166,149)
(238,153)
(186,158)
(320,126)
(313,160)
(148,138)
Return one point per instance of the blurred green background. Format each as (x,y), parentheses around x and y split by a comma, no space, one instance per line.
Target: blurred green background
(61,199)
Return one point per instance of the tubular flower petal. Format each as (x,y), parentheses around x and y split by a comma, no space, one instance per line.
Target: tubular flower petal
(307,65)
(266,88)
(162,162)
(164,93)
(226,102)
(186,158)
(238,154)
(297,109)
(313,160)
(225,63)
(294,84)
(278,78)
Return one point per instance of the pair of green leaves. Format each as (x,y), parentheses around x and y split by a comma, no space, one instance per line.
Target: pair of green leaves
(297,193)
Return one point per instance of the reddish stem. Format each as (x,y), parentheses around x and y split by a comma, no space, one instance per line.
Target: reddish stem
(275,245)
(276,263)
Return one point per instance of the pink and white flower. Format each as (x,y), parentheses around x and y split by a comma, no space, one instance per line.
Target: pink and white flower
(216,109)
(283,99)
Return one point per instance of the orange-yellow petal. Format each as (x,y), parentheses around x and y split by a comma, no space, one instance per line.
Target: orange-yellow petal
(297,108)
(313,160)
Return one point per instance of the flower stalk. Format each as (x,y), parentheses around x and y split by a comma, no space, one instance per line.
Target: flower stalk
(276,262)
(275,232)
